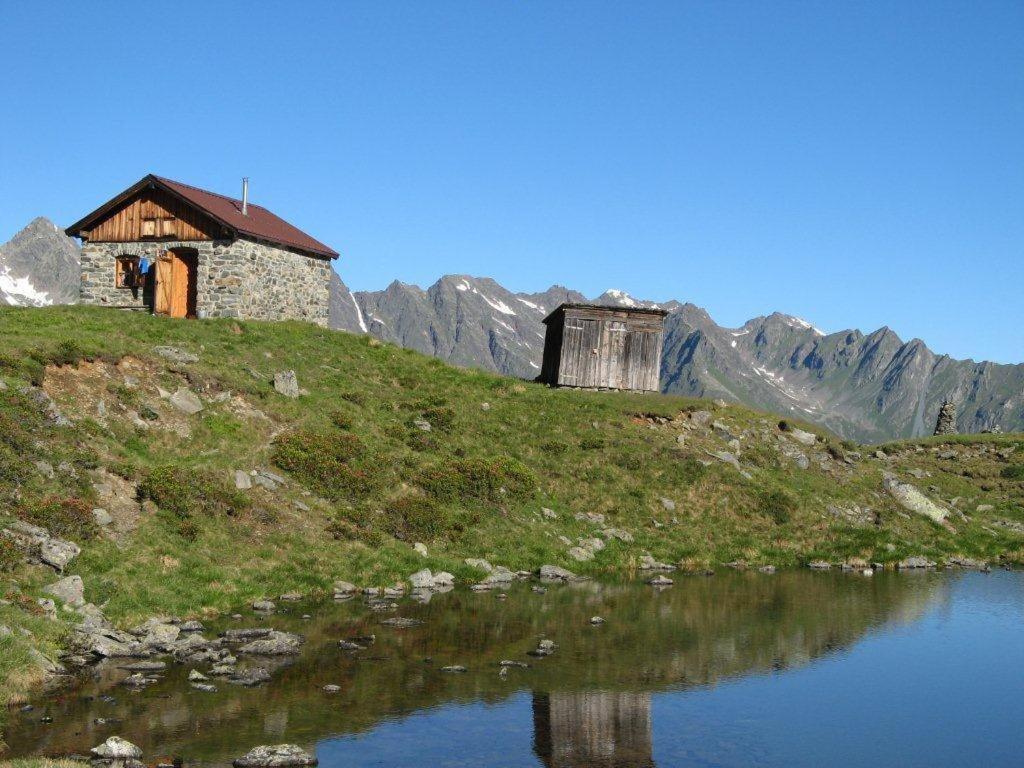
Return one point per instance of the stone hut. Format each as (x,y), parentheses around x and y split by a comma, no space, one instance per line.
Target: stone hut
(173,249)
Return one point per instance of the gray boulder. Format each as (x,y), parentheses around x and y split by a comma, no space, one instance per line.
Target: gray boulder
(116,748)
(69,590)
(186,401)
(556,573)
(278,756)
(273,644)
(287,383)
(911,499)
(176,355)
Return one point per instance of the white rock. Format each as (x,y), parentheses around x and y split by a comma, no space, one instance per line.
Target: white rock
(116,748)
(186,401)
(101,517)
(803,437)
(287,383)
(70,590)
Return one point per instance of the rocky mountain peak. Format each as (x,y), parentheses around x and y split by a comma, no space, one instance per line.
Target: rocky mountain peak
(39,266)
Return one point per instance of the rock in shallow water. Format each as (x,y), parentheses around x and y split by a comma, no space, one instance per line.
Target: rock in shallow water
(278,756)
(116,748)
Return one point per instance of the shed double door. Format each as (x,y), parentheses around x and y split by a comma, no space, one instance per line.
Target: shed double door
(593,353)
(175,292)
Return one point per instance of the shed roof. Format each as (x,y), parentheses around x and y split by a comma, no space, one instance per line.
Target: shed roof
(609,308)
(258,222)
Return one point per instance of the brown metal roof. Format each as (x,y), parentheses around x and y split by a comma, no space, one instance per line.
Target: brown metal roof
(258,223)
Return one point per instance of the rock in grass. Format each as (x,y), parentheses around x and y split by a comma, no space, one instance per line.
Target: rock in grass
(101,517)
(278,756)
(287,383)
(116,748)
(911,499)
(176,355)
(263,606)
(205,687)
(457,668)
(802,437)
(596,620)
(186,401)
(69,590)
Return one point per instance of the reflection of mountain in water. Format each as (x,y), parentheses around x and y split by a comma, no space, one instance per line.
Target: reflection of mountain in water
(591,695)
(593,729)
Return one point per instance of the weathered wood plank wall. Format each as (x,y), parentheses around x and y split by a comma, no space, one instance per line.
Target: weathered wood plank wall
(603,348)
(153,215)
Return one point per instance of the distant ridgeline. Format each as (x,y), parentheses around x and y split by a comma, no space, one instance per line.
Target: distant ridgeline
(865,387)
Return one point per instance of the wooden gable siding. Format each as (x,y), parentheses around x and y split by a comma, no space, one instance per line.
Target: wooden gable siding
(153,214)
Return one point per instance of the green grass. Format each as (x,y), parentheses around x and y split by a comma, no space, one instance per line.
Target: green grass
(366,480)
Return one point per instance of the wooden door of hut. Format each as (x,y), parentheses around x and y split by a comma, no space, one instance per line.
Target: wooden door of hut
(175,293)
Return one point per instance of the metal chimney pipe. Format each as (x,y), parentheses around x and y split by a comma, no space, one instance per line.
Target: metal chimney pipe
(245,195)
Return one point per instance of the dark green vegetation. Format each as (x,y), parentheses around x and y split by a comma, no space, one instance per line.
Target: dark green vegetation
(389,447)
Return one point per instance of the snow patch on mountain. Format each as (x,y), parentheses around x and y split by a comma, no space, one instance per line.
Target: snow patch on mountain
(19,291)
(622,298)
(359,313)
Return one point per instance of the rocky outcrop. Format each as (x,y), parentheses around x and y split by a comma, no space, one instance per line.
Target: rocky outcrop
(40,546)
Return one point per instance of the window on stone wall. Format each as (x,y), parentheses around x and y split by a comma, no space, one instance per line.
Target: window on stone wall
(127,275)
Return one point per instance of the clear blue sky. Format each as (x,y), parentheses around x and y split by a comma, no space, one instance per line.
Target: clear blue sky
(856,164)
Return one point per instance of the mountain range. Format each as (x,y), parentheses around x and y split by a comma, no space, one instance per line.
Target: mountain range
(870,388)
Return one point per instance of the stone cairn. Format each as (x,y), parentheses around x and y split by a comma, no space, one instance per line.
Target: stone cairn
(946,423)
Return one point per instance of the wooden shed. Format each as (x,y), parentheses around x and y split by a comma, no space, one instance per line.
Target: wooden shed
(598,347)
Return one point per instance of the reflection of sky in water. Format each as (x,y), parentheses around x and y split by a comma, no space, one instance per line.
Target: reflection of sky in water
(940,686)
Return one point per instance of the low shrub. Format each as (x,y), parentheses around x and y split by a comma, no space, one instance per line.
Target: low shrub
(440,417)
(776,505)
(334,465)
(489,480)
(1013,472)
(354,397)
(415,518)
(187,492)
(341,420)
(67,517)
(592,443)
(10,555)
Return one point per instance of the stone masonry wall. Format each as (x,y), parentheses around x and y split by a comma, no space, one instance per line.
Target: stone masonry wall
(241,278)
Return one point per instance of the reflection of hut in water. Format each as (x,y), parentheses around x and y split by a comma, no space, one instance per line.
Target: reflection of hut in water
(593,729)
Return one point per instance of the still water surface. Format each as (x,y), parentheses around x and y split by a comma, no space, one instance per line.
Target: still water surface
(795,669)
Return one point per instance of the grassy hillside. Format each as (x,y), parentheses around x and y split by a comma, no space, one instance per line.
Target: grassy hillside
(386,447)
